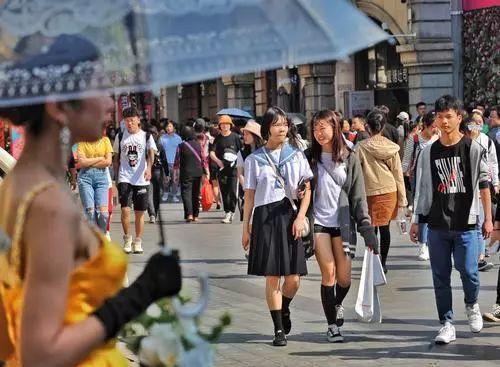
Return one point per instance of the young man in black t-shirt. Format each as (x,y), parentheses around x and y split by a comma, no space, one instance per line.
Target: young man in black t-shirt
(451,176)
(224,153)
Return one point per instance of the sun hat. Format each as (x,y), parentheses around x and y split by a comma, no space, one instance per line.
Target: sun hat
(225,119)
(253,127)
(403,116)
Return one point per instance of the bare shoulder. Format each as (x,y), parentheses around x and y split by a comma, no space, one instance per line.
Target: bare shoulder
(51,215)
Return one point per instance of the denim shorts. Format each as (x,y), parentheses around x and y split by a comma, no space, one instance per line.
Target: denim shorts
(93,187)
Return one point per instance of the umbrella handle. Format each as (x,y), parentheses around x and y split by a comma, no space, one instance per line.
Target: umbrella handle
(190,312)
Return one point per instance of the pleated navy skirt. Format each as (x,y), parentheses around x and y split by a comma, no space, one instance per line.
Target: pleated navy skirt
(273,250)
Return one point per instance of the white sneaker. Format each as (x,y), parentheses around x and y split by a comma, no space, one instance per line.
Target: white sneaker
(232,216)
(127,244)
(152,219)
(227,218)
(446,334)
(475,319)
(423,252)
(138,246)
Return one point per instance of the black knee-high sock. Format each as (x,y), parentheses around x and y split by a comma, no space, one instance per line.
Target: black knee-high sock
(285,304)
(385,242)
(328,301)
(277,321)
(340,293)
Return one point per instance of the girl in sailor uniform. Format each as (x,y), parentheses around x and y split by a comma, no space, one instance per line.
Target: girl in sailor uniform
(273,174)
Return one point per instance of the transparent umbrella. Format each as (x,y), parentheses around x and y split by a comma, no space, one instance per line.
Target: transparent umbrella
(75,48)
(72,48)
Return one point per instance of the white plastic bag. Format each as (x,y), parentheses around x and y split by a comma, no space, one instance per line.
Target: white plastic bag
(378,272)
(364,304)
(372,275)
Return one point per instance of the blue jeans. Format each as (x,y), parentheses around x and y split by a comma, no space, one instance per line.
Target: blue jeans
(462,245)
(93,187)
(422,232)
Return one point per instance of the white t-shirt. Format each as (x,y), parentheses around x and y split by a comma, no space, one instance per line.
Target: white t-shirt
(133,160)
(261,177)
(327,192)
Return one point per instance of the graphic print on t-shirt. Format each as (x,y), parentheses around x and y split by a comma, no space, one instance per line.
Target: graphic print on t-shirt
(451,176)
(133,152)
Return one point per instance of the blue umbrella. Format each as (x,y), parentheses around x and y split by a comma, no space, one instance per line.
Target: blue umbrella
(235,112)
(72,48)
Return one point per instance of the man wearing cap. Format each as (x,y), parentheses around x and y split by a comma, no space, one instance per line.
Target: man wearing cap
(224,153)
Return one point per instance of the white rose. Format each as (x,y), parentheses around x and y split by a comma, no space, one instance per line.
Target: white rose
(170,349)
(153,311)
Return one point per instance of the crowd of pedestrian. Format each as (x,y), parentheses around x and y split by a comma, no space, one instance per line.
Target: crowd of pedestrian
(350,175)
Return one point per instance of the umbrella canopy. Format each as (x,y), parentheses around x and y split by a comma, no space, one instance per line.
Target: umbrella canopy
(235,112)
(72,48)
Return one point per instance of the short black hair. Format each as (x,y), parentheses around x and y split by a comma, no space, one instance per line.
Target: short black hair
(448,102)
(358,116)
(130,112)
(421,103)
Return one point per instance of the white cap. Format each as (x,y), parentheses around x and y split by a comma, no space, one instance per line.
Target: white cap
(403,116)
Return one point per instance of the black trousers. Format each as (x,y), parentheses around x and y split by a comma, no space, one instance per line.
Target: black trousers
(190,193)
(228,190)
(155,192)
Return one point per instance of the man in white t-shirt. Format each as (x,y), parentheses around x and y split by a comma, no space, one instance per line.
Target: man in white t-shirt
(135,150)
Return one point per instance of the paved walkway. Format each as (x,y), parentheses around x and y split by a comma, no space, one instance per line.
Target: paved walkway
(403,339)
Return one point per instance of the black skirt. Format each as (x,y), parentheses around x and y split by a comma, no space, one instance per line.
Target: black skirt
(273,250)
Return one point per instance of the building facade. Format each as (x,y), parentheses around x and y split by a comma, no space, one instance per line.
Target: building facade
(417,64)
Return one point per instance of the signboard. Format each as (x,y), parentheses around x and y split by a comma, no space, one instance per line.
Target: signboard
(16,141)
(479,4)
(358,102)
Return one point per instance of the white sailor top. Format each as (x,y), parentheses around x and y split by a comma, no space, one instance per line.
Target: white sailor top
(261,177)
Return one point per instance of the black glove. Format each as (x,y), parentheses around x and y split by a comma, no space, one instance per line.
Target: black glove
(161,278)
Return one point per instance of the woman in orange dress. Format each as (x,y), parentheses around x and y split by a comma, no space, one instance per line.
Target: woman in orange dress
(60,279)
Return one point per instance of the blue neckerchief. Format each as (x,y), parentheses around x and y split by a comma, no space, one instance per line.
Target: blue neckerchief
(287,153)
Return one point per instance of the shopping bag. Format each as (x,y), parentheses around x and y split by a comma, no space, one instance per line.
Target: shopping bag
(207,195)
(378,272)
(377,311)
(365,302)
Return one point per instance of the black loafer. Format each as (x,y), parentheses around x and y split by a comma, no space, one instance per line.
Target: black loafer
(279,339)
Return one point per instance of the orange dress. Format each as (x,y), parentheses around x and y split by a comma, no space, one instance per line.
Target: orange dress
(90,284)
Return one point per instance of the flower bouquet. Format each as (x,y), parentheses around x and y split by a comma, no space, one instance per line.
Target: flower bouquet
(168,334)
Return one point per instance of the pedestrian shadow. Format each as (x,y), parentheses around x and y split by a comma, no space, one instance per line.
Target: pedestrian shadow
(457,288)
(394,267)
(422,348)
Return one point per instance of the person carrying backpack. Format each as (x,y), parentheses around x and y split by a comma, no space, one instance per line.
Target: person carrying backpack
(135,150)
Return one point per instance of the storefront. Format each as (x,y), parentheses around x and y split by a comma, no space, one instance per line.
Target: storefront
(379,69)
